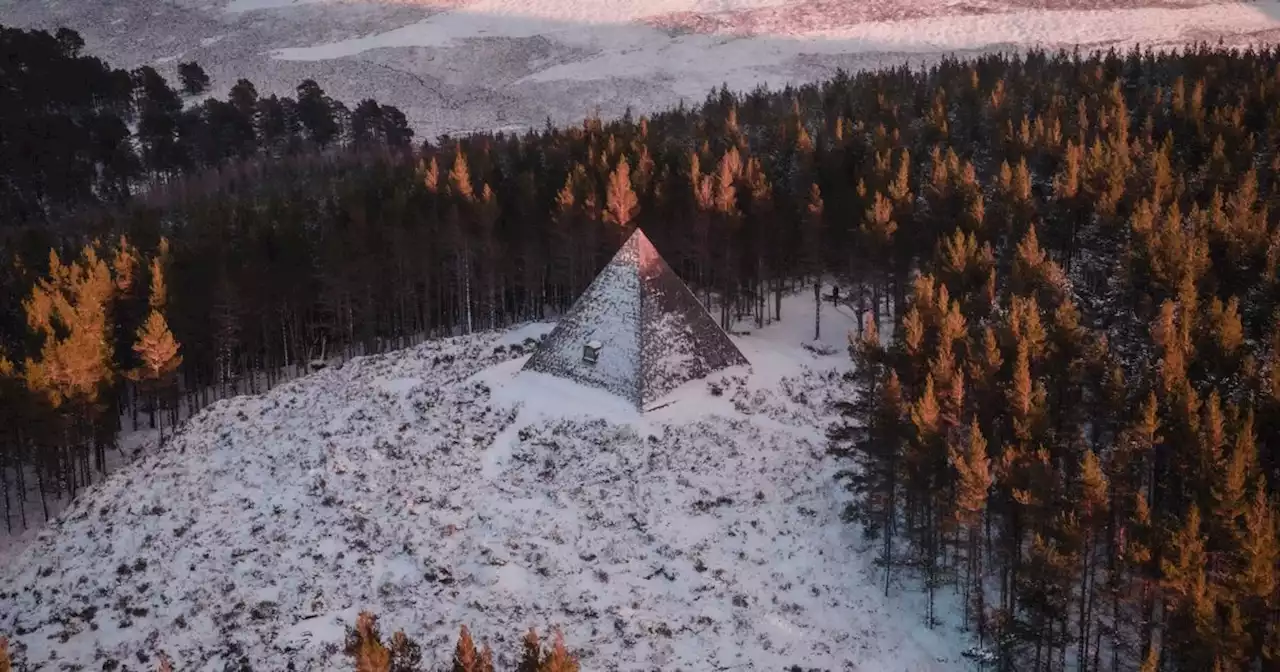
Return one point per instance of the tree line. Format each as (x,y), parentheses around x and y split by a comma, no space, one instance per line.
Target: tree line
(371,652)
(66,142)
(86,339)
(1073,422)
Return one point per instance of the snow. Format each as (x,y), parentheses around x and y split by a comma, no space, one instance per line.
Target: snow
(523,333)
(624,48)
(459,65)
(706,61)
(615,29)
(14,537)
(238,6)
(439,486)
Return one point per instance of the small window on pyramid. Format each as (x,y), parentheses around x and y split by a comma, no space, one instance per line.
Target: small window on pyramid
(591,352)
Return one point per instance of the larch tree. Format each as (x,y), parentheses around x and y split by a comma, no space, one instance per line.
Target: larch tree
(69,311)
(1191,599)
(973,481)
(621,204)
(155,346)
(462,193)
(877,234)
(364,644)
(1254,581)
(465,656)
(1093,502)
(812,235)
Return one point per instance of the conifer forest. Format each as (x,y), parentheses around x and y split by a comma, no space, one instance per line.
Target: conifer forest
(1068,268)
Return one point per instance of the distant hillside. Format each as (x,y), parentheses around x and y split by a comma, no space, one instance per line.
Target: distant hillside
(462,65)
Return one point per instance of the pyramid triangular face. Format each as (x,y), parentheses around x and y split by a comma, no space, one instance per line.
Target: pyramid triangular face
(644,329)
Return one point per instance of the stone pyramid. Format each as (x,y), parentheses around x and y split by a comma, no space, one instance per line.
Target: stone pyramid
(644,329)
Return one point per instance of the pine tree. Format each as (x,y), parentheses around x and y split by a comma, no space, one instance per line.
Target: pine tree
(1043,589)
(925,458)
(882,456)
(558,658)
(530,652)
(6,663)
(194,79)
(406,655)
(125,264)
(487,214)
(14,400)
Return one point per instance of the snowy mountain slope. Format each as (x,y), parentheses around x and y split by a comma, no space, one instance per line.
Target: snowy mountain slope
(458,65)
(437,486)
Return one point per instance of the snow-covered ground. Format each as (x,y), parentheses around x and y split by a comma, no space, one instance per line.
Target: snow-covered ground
(14,536)
(439,486)
(459,65)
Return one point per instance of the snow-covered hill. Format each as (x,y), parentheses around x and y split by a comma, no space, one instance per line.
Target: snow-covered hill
(458,65)
(437,487)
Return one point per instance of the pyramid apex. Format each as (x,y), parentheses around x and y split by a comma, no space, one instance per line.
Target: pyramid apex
(640,242)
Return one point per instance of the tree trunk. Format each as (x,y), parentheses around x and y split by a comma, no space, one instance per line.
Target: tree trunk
(4,483)
(777,300)
(817,309)
(44,502)
(1083,653)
